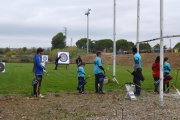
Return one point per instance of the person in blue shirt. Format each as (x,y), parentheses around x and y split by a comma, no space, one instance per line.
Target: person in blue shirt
(98,71)
(38,72)
(81,80)
(167,76)
(137,71)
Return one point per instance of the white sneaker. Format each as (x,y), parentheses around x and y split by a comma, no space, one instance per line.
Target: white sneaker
(41,96)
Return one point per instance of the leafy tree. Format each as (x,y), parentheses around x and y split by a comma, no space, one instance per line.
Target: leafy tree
(157,46)
(82,43)
(104,44)
(145,47)
(58,41)
(177,45)
(24,49)
(124,45)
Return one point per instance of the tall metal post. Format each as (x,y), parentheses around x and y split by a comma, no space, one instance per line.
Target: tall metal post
(114,43)
(138,18)
(87,13)
(161,99)
(65,33)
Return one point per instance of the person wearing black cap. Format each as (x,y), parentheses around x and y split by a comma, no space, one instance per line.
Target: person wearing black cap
(38,72)
(137,72)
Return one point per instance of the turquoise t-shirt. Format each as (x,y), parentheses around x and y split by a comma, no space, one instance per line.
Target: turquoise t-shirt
(97,63)
(80,71)
(167,67)
(137,60)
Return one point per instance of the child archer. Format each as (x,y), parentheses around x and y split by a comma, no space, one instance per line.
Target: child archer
(156,74)
(167,76)
(81,80)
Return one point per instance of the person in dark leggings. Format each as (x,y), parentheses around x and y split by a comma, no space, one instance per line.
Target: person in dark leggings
(98,72)
(156,74)
(81,80)
(38,72)
(137,72)
(167,76)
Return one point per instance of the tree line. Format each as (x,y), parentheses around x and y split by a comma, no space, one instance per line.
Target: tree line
(58,41)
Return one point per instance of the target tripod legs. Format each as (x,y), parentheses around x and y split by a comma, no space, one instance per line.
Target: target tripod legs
(115,80)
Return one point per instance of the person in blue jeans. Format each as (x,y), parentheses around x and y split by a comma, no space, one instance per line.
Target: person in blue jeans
(167,76)
(81,80)
(38,72)
(137,72)
(98,72)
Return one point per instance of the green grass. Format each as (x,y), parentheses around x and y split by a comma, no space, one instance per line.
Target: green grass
(18,78)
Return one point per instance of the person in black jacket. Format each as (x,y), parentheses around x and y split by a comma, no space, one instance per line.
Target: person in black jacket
(56,62)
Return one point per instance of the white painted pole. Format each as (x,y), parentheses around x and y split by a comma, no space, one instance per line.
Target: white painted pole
(87,13)
(87,33)
(114,39)
(161,54)
(138,18)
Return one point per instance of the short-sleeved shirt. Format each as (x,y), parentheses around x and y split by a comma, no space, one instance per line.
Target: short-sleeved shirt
(80,71)
(97,63)
(167,67)
(137,60)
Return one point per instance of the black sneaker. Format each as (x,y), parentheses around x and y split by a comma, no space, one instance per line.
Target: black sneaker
(101,92)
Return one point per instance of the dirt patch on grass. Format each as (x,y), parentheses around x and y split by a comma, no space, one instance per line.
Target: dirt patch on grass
(74,106)
(127,59)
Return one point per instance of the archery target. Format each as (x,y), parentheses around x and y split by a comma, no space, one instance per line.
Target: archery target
(2,67)
(44,58)
(64,57)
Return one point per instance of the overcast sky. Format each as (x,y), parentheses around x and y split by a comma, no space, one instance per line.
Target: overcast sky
(33,23)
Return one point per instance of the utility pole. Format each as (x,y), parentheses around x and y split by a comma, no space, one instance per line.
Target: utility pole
(170,45)
(65,33)
(71,42)
(87,13)
(138,19)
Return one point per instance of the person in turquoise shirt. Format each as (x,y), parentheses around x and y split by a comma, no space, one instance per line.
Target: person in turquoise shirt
(167,76)
(98,72)
(81,80)
(137,72)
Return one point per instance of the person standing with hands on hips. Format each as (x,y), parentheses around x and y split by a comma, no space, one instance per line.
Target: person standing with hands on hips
(137,72)
(98,71)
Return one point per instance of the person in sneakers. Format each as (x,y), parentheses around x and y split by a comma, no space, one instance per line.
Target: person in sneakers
(81,80)
(167,76)
(98,71)
(137,72)
(156,74)
(38,72)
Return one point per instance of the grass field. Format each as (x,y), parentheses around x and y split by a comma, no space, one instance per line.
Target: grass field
(18,78)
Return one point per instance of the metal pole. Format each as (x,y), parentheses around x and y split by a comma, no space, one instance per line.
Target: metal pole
(87,13)
(138,18)
(170,45)
(87,33)
(71,42)
(65,33)
(161,54)
(114,39)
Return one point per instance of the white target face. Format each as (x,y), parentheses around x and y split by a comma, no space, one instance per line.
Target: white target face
(44,58)
(64,57)
(2,67)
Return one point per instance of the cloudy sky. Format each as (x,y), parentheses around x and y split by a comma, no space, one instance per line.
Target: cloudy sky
(33,23)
